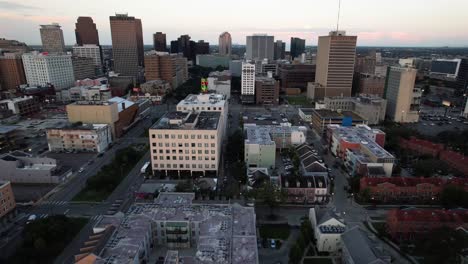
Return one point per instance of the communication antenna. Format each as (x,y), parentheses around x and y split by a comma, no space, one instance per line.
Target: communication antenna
(338,18)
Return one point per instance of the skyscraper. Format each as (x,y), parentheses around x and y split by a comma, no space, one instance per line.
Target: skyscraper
(127,44)
(159,41)
(52,38)
(280,50)
(297,47)
(335,65)
(43,68)
(202,47)
(225,44)
(86,32)
(259,47)
(11,71)
(403,100)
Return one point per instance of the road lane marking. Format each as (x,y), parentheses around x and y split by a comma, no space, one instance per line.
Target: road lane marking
(66,211)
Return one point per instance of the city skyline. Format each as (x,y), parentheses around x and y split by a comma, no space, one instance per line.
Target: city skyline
(375,23)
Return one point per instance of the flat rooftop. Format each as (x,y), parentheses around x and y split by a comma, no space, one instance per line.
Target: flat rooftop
(265,118)
(227,232)
(307,111)
(258,135)
(330,114)
(70,126)
(7,129)
(188,121)
(208,100)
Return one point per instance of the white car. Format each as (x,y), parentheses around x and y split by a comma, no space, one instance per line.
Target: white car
(80,170)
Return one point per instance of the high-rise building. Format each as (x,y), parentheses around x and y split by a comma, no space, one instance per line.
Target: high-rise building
(83,68)
(86,32)
(202,47)
(225,44)
(280,50)
(297,47)
(127,44)
(259,47)
(164,66)
(11,71)
(174,46)
(336,54)
(462,76)
(183,46)
(43,68)
(403,100)
(7,45)
(52,38)
(248,82)
(90,51)
(267,90)
(159,41)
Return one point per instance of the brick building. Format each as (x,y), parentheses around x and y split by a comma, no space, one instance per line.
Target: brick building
(305,189)
(11,71)
(408,189)
(421,147)
(455,160)
(266,90)
(7,202)
(412,223)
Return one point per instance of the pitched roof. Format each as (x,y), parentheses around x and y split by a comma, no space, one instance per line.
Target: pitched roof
(359,247)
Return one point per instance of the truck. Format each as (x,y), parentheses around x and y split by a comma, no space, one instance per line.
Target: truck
(145,166)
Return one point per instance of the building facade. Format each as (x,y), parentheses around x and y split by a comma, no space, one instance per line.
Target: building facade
(90,51)
(43,69)
(403,100)
(212,60)
(7,203)
(22,106)
(280,50)
(336,54)
(159,41)
(260,47)
(259,148)
(297,47)
(296,75)
(127,44)
(266,90)
(171,68)
(86,32)
(372,108)
(248,82)
(327,227)
(83,68)
(321,118)
(52,38)
(89,138)
(225,44)
(371,84)
(185,144)
(11,72)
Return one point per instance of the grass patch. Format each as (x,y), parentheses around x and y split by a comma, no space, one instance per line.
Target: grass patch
(317,261)
(101,185)
(280,231)
(299,100)
(44,239)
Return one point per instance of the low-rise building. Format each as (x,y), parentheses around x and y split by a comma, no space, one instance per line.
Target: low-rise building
(257,177)
(220,83)
(456,160)
(406,189)
(85,93)
(88,137)
(218,234)
(305,189)
(321,118)
(259,148)
(358,248)
(7,202)
(19,167)
(370,107)
(186,144)
(306,114)
(23,106)
(371,84)
(327,227)
(361,148)
(266,90)
(156,87)
(415,223)
(311,165)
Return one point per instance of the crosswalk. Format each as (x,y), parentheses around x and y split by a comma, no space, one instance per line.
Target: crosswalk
(96,218)
(57,203)
(42,215)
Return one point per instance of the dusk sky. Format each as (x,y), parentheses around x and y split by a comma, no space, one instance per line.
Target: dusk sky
(375,22)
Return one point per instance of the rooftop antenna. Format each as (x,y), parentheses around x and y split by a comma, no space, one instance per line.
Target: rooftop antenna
(338,18)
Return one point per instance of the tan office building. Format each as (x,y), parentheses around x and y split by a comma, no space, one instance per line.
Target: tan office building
(127,44)
(336,54)
(94,112)
(403,100)
(171,68)
(52,38)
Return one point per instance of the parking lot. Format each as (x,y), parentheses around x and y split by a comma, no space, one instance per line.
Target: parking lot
(433,124)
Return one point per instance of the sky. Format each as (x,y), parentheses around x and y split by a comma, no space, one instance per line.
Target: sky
(375,22)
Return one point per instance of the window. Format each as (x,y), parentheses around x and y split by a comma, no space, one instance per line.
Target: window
(155,157)
(168,151)
(159,136)
(207,158)
(168,157)
(187,151)
(213,152)
(168,166)
(179,136)
(194,166)
(181,151)
(194,158)
(192,136)
(154,144)
(174,151)
(162,166)
(199,157)
(153,136)
(185,136)
(181,166)
(206,145)
(205,136)
(161,157)
(213,158)
(181,145)
(199,151)
(194,151)
(160,144)
(200,166)
(155,165)
(174,144)
(199,136)
(206,151)
(173,136)
(181,157)
(166,136)
(200,145)
(167,145)
(174,157)
(213,166)
(193,145)
(207,166)
(213,145)
(155,151)
(212,137)
(187,157)
(186,145)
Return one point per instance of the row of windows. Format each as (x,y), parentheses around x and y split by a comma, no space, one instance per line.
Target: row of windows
(161,151)
(167,136)
(186,145)
(213,158)
(203,108)
(181,166)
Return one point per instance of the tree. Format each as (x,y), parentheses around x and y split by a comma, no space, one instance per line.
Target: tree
(442,246)
(365,194)
(307,231)
(295,254)
(454,196)
(427,89)
(270,195)
(184,186)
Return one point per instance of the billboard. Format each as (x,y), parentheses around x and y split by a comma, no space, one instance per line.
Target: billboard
(204,85)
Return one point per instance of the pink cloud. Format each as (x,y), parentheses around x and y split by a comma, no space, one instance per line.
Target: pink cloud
(34,18)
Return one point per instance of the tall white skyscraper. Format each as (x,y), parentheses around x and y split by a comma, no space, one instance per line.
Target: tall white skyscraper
(225,44)
(259,47)
(248,82)
(43,68)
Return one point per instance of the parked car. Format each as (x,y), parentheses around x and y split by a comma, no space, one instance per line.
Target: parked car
(273,243)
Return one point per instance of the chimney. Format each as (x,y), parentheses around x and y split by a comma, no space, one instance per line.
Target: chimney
(123,105)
